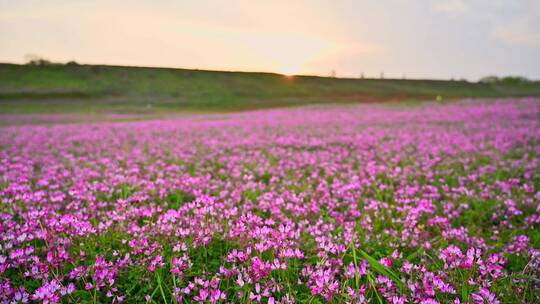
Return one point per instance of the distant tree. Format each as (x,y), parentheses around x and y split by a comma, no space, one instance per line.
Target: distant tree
(513,79)
(72,63)
(382,75)
(489,79)
(32,59)
(506,79)
(333,73)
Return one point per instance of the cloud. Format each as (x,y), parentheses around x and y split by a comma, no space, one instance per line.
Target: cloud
(451,7)
(520,29)
(517,34)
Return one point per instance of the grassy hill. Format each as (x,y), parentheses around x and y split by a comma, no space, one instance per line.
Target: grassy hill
(96,88)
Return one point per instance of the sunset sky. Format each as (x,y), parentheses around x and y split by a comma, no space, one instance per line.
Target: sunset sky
(418,39)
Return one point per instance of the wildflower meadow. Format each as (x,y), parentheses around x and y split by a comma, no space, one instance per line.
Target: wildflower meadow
(421,203)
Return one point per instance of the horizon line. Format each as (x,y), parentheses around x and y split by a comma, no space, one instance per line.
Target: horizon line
(336,76)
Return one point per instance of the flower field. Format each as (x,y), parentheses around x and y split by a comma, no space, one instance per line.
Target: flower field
(355,204)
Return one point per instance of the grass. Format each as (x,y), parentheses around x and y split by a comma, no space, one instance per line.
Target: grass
(96,88)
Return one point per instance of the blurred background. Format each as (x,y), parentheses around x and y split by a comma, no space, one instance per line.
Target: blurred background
(155,57)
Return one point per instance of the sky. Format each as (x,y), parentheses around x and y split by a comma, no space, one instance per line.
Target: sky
(414,39)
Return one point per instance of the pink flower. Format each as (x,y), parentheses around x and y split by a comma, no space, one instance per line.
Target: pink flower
(484,296)
(203,294)
(259,269)
(156,262)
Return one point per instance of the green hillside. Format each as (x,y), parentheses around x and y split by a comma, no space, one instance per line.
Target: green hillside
(93,88)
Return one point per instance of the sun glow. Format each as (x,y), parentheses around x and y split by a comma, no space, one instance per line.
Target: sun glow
(289,71)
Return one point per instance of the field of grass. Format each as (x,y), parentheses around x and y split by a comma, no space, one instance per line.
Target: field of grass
(87,88)
(429,204)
